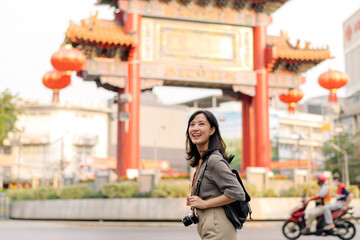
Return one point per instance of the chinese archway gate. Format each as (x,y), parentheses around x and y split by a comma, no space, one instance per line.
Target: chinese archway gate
(219,44)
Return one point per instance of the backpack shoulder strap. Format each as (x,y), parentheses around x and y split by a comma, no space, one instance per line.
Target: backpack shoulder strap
(247,196)
(199,180)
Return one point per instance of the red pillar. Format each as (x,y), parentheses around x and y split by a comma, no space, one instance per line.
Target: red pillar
(262,147)
(133,27)
(248,143)
(121,140)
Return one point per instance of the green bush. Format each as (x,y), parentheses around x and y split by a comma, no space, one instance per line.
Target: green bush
(11,194)
(166,190)
(269,192)
(75,192)
(120,190)
(20,194)
(291,192)
(266,192)
(45,193)
(302,189)
(308,189)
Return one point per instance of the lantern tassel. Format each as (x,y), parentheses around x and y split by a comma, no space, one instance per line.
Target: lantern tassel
(292,108)
(56,97)
(333,97)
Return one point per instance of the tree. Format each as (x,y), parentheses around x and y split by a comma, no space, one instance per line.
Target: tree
(334,161)
(8,114)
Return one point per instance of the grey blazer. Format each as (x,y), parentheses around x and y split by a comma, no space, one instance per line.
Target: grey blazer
(218,179)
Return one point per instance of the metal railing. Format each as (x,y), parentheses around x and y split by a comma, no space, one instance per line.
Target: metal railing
(4,206)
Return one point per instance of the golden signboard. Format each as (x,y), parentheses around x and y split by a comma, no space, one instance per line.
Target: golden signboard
(106,67)
(283,80)
(164,41)
(187,44)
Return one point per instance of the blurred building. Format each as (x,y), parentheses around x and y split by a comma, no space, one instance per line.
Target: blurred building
(349,114)
(320,106)
(350,109)
(54,140)
(297,141)
(77,141)
(351,36)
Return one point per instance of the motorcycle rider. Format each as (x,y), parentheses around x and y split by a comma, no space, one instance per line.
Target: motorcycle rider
(343,199)
(322,198)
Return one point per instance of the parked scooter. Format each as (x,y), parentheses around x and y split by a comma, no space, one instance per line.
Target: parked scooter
(344,229)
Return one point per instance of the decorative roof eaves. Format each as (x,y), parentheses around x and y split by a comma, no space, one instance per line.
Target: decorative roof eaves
(280,48)
(98,31)
(259,6)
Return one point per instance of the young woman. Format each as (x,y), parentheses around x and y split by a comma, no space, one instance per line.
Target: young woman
(219,185)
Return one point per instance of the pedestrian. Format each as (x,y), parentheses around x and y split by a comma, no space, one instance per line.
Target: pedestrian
(219,185)
(343,199)
(321,199)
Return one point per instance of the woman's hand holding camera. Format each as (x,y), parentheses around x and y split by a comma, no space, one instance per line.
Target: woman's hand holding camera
(188,200)
(195,201)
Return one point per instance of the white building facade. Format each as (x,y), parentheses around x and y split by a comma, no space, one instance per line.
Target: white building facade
(55,138)
(351,36)
(298,137)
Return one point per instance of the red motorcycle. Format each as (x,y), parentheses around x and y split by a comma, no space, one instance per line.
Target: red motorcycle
(344,229)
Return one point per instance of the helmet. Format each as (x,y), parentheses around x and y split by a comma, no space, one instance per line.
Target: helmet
(321,177)
(336,176)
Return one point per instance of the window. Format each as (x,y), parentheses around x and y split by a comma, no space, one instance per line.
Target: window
(314,109)
(84,150)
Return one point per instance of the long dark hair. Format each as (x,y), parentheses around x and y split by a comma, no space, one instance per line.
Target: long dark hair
(215,141)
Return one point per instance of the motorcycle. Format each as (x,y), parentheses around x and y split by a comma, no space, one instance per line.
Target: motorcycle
(344,229)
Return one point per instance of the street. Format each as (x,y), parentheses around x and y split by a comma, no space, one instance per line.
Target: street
(91,230)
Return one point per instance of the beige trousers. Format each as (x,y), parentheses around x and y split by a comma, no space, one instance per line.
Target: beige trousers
(214,225)
(313,214)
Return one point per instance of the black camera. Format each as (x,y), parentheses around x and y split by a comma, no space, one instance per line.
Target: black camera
(190,219)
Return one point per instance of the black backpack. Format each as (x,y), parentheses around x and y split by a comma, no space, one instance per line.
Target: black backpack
(238,211)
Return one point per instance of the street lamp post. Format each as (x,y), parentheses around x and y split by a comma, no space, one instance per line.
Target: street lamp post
(298,138)
(346,162)
(298,150)
(19,159)
(17,140)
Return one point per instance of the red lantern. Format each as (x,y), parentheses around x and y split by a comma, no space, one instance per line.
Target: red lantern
(291,98)
(333,80)
(56,80)
(68,58)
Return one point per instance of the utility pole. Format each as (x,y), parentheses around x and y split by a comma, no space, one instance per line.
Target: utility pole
(47,146)
(345,174)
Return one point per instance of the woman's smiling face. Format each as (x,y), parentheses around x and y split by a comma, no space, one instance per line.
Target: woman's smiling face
(200,131)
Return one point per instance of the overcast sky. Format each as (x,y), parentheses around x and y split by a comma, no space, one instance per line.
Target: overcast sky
(32,30)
